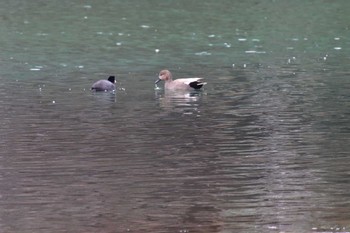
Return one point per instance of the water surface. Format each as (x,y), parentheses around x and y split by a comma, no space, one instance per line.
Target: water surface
(264,148)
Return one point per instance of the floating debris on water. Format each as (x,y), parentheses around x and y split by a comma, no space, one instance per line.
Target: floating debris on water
(254,51)
(36,68)
(204,53)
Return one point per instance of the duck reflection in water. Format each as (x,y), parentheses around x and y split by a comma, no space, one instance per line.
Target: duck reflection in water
(185,102)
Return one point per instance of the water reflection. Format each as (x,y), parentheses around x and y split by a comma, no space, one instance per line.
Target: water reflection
(102,96)
(185,102)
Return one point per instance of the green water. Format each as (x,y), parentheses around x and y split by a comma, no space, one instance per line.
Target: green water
(118,36)
(264,148)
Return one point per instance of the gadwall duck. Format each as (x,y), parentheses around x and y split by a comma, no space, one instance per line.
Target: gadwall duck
(185,84)
(104,85)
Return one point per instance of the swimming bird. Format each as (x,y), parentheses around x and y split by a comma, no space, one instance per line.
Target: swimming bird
(184,84)
(104,85)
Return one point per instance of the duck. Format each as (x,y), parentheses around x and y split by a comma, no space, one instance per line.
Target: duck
(104,85)
(182,84)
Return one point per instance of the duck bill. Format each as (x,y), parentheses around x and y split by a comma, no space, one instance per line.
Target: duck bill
(158,80)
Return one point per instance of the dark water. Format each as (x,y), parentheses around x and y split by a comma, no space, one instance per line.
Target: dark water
(264,148)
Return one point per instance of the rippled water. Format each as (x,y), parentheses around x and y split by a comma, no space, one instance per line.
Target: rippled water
(264,148)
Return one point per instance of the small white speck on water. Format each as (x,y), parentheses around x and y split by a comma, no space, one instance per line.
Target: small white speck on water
(156,50)
(233,65)
(244,65)
(53,101)
(204,53)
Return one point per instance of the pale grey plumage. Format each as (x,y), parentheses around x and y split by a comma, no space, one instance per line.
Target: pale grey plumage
(184,84)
